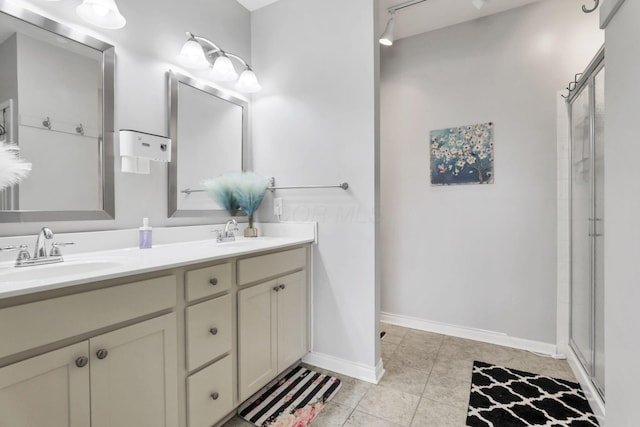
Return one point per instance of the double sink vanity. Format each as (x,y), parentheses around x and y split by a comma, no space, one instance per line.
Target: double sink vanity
(177,335)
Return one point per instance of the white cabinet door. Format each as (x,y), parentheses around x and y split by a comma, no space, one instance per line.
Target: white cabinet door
(134,375)
(257,342)
(48,390)
(292,319)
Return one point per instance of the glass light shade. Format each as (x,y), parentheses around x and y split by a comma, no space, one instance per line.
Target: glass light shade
(223,70)
(101,13)
(478,3)
(386,38)
(248,82)
(192,55)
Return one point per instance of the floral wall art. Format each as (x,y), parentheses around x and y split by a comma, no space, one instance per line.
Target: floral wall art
(462,155)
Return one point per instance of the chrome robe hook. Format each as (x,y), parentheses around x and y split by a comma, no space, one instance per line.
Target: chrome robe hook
(595,6)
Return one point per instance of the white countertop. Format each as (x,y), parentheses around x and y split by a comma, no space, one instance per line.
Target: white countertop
(82,268)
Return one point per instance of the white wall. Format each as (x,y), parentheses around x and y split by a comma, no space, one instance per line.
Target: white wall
(476,256)
(145,50)
(622,209)
(315,123)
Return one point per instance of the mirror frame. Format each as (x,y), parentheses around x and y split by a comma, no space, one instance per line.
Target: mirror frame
(174,81)
(105,143)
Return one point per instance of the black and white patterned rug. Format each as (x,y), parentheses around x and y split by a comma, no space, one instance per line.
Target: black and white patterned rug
(292,401)
(502,397)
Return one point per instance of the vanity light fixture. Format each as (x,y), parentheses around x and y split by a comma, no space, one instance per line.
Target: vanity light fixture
(199,53)
(101,13)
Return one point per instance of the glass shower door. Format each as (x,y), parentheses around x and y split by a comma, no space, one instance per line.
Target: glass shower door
(587,225)
(581,212)
(598,231)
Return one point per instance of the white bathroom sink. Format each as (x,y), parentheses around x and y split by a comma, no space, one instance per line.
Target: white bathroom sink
(58,270)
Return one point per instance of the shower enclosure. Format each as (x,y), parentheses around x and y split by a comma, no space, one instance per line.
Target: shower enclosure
(586,112)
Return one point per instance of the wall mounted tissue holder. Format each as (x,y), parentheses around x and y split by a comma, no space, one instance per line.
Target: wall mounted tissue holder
(138,149)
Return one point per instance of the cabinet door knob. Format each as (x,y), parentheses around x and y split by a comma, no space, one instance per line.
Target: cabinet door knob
(276,288)
(102,353)
(213,331)
(283,286)
(82,361)
(215,395)
(213,281)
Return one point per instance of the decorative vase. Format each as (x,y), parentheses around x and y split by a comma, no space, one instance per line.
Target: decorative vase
(250,231)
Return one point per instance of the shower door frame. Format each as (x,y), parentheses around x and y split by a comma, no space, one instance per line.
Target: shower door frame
(588,80)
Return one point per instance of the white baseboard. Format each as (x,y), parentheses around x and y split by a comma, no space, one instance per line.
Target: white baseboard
(471,333)
(597,405)
(371,374)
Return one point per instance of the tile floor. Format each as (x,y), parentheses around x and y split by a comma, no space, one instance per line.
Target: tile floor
(426,383)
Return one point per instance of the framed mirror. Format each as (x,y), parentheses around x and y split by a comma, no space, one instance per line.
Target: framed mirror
(57,101)
(208,130)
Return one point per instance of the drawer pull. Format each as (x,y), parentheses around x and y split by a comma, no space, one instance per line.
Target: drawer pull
(82,361)
(102,353)
(215,395)
(213,331)
(282,286)
(213,281)
(276,288)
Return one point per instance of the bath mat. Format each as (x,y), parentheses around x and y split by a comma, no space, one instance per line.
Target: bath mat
(507,397)
(294,400)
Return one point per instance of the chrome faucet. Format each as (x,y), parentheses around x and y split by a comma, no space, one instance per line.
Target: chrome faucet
(227,235)
(40,255)
(41,243)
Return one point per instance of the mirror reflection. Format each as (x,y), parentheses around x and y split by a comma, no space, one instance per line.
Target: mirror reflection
(208,128)
(53,98)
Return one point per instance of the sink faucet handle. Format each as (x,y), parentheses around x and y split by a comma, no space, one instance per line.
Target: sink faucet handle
(23,254)
(55,248)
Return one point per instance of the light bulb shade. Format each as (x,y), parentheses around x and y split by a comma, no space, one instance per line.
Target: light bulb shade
(223,70)
(248,82)
(101,13)
(478,3)
(386,38)
(192,55)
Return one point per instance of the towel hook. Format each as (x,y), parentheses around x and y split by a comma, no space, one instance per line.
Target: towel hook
(80,129)
(47,123)
(595,6)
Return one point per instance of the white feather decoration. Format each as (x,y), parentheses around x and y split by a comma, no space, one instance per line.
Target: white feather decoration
(12,168)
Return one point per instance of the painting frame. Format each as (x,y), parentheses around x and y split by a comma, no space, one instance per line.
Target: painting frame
(462,155)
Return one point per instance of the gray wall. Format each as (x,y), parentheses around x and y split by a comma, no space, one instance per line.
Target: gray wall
(622,208)
(146,49)
(476,256)
(315,123)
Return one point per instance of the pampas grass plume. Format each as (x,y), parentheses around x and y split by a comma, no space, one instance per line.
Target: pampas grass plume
(220,190)
(249,190)
(12,168)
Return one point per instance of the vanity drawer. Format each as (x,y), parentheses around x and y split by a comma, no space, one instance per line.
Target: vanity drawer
(266,266)
(210,394)
(208,331)
(208,281)
(35,324)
